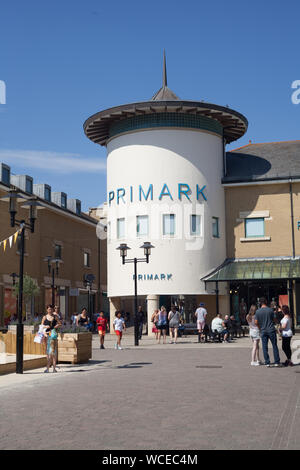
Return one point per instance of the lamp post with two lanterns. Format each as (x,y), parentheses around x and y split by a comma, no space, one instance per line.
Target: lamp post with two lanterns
(53,261)
(123,253)
(13,197)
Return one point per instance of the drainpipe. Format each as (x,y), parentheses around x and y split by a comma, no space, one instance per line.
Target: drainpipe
(292,218)
(290,281)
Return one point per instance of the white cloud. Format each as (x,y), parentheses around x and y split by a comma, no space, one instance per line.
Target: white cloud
(63,163)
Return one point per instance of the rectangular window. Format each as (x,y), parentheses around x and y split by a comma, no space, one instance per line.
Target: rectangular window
(142,225)
(78,208)
(47,194)
(121,228)
(28,186)
(215,227)
(5,175)
(169,224)
(86,260)
(195,225)
(254,227)
(63,201)
(57,250)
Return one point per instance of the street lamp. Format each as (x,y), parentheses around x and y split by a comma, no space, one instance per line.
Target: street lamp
(13,197)
(123,253)
(55,269)
(88,280)
(14,276)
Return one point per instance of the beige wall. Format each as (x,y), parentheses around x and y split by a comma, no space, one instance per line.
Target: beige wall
(274,198)
(73,234)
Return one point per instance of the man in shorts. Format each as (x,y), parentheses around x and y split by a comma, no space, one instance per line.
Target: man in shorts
(102,327)
(200,314)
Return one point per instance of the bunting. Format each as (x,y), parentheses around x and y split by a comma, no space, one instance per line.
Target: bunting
(11,240)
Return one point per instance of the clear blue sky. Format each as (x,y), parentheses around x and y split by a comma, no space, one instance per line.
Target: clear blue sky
(65,60)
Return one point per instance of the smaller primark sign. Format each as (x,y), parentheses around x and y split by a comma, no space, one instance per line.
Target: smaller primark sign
(153,277)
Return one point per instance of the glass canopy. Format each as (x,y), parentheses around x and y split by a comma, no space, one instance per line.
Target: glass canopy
(247,270)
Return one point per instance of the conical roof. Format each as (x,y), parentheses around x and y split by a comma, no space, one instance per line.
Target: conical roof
(164,93)
(104,125)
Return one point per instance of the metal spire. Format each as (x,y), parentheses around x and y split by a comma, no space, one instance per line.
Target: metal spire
(165,84)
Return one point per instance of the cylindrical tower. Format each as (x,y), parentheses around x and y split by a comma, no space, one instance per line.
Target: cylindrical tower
(164,180)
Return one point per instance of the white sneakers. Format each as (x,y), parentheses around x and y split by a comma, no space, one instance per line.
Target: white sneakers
(117,346)
(255,363)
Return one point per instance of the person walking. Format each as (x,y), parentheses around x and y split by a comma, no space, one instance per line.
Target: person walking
(254,335)
(83,319)
(52,323)
(119,326)
(102,325)
(264,319)
(162,324)
(200,315)
(287,333)
(141,321)
(174,319)
(154,320)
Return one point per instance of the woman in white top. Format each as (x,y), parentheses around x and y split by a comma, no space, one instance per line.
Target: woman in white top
(254,335)
(286,332)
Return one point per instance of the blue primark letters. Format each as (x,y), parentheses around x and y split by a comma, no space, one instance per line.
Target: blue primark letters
(147,193)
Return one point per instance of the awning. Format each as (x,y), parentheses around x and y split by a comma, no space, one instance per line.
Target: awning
(255,269)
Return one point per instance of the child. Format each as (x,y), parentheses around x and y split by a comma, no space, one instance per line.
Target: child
(102,326)
(118,326)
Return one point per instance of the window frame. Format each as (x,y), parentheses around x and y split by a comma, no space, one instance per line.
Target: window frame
(215,220)
(59,255)
(118,231)
(195,234)
(138,234)
(86,257)
(251,219)
(163,225)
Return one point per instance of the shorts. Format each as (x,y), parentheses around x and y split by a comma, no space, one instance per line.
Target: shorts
(174,325)
(119,333)
(254,335)
(161,327)
(101,331)
(200,325)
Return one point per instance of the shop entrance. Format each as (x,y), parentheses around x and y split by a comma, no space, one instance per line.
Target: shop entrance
(245,294)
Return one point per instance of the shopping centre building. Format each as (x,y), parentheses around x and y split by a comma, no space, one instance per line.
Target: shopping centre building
(224,225)
(62,232)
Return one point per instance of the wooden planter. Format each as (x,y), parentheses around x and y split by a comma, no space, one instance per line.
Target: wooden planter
(27,328)
(74,347)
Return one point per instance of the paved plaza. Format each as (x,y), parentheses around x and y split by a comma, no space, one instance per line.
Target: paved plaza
(184,396)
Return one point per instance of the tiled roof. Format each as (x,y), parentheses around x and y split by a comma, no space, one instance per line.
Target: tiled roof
(266,161)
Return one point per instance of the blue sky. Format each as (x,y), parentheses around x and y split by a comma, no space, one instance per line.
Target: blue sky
(65,60)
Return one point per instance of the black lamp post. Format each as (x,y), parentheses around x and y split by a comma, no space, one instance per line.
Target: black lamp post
(13,197)
(123,253)
(14,276)
(55,269)
(88,280)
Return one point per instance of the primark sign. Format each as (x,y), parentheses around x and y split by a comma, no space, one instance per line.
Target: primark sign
(153,277)
(140,193)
